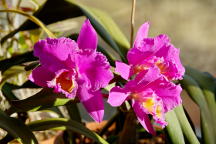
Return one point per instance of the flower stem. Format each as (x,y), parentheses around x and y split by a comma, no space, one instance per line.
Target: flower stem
(132,21)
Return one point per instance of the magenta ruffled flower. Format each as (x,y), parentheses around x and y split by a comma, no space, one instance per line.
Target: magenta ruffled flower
(157,51)
(153,63)
(150,93)
(74,69)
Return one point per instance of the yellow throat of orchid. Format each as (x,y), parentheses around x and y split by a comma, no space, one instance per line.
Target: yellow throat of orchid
(138,68)
(149,104)
(161,66)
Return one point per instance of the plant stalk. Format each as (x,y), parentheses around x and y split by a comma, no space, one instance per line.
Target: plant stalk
(132,22)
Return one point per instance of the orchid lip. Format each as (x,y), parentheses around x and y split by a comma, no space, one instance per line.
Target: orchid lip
(66,81)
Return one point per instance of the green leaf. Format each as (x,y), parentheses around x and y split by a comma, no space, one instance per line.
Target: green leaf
(109,24)
(17,129)
(195,92)
(73,111)
(106,28)
(13,71)
(185,125)
(30,17)
(207,83)
(63,124)
(46,98)
(52,11)
(7,92)
(174,128)
(16,60)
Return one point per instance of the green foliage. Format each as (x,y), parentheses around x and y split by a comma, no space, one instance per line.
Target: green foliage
(62,124)
(17,129)
(207,115)
(174,128)
(185,125)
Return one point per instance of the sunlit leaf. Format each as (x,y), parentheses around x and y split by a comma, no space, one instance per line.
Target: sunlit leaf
(13,71)
(174,128)
(106,28)
(16,60)
(46,98)
(196,93)
(62,123)
(185,125)
(207,84)
(31,18)
(50,12)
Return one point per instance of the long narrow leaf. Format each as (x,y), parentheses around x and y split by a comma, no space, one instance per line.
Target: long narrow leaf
(17,129)
(62,123)
(185,125)
(46,98)
(174,128)
(16,60)
(207,83)
(195,92)
(104,26)
(13,71)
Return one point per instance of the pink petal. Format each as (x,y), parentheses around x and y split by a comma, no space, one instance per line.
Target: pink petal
(136,56)
(87,37)
(143,118)
(123,69)
(141,34)
(41,75)
(92,101)
(147,48)
(168,92)
(54,52)
(96,69)
(117,96)
(171,56)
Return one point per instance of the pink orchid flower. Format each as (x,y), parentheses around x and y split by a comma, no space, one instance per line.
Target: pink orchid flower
(150,93)
(153,63)
(148,52)
(74,69)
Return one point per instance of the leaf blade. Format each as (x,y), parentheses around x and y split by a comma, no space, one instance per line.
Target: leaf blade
(65,124)
(17,129)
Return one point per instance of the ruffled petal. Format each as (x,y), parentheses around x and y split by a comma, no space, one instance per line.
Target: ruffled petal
(168,92)
(41,75)
(141,34)
(147,48)
(87,39)
(95,68)
(136,56)
(123,69)
(54,52)
(143,118)
(171,57)
(117,96)
(92,101)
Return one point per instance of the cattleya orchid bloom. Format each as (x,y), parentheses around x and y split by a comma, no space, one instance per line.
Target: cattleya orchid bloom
(153,64)
(150,93)
(74,69)
(148,52)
